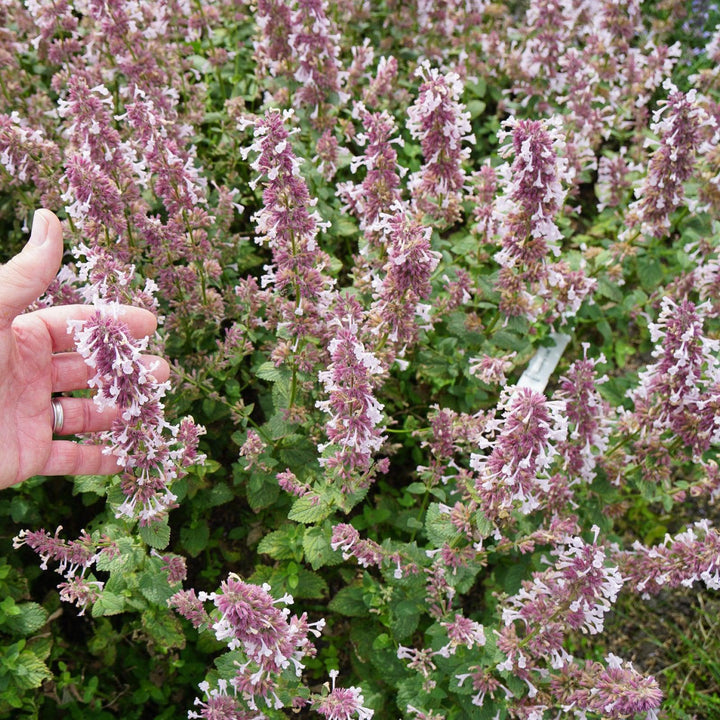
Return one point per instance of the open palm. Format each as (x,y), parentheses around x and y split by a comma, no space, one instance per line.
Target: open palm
(37,359)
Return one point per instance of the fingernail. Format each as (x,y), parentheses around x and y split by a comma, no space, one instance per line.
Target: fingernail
(40,226)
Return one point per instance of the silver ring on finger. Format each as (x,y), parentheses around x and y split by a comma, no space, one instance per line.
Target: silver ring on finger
(58,417)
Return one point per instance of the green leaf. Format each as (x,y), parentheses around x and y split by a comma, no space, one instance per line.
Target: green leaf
(309,510)
(650,273)
(96,484)
(476,108)
(417,488)
(318,552)
(476,88)
(164,628)
(155,587)
(277,426)
(31,617)
(227,664)
(194,538)
(509,341)
(268,371)
(219,494)
(125,560)
(262,491)
(29,671)
(278,544)
(20,508)
(349,601)
(405,619)
(483,525)
(438,526)
(108,604)
(344,227)
(609,290)
(156,535)
(310,585)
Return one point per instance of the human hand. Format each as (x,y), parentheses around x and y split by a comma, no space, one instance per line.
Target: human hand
(37,358)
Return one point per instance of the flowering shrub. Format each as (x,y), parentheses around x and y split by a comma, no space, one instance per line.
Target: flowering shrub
(359,224)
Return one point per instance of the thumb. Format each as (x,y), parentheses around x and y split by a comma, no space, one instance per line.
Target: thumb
(26,276)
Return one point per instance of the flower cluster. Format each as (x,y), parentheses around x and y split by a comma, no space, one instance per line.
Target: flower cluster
(380,189)
(288,226)
(442,125)
(679,392)
(342,703)
(271,639)
(588,417)
(687,558)
(145,444)
(26,155)
(574,594)
(533,195)
(397,305)
(511,476)
(678,124)
(75,557)
(355,414)
(314,45)
(614,691)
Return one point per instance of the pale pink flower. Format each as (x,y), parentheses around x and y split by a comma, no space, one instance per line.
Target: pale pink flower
(440,122)
(342,703)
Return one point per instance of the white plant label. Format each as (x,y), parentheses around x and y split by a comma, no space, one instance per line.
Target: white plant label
(543,363)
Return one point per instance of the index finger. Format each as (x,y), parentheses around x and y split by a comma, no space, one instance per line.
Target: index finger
(141,322)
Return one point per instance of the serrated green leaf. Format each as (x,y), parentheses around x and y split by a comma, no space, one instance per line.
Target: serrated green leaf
(108,604)
(349,601)
(219,494)
(438,526)
(156,535)
(29,671)
(318,552)
(227,664)
(309,510)
(298,456)
(277,426)
(194,538)
(268,371)
(483,525)
(278,544)
(164,628)
(509,341)
(281,392)
(262,491)
(405,619)
(90,483)
(126,559)
(41,646)
(411,692)
(310,585)
(155,586)
(30,618)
